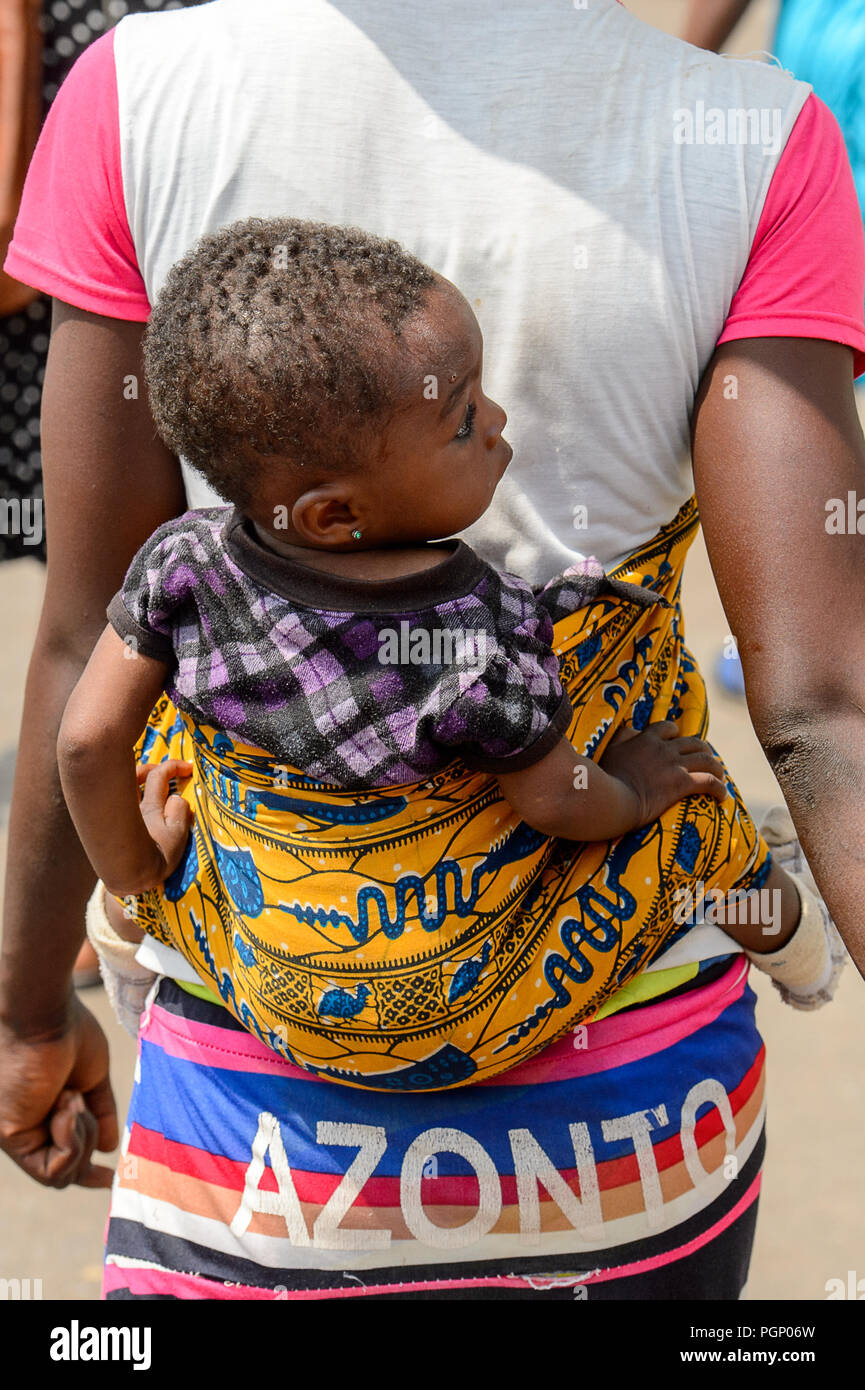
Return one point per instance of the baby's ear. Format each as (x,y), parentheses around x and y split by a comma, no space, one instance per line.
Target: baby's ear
(327,515)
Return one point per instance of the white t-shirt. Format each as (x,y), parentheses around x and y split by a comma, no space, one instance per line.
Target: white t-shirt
(529,153)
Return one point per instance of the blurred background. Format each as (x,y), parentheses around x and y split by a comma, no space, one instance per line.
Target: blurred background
(811,1226)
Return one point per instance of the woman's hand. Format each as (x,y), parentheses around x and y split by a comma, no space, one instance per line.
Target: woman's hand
(660,767)
(56,1104)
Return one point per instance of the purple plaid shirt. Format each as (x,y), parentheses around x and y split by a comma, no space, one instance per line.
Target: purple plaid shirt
(356,683)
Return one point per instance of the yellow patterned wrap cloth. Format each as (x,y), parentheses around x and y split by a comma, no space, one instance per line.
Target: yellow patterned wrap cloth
(422,937)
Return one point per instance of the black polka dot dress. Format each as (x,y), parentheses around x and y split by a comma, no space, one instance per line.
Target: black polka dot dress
(68,27)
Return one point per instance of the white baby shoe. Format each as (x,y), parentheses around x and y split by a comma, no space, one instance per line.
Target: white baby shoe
(806,970)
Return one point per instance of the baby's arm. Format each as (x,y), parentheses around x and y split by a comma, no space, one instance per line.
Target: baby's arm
(638,777)
(133,845)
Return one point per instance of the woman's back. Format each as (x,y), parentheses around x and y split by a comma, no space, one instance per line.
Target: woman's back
(554,162)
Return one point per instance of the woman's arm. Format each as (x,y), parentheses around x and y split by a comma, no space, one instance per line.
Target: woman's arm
(709,23)
(639,776)
(132,845)
(109,482)
(767,465)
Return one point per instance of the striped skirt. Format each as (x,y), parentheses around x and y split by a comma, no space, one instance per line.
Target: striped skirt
(621,1163)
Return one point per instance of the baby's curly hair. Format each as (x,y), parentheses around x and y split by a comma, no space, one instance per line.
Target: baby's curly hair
(274,337)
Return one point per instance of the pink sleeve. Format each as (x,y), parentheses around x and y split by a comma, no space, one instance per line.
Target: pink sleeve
(805,277)
(71,237)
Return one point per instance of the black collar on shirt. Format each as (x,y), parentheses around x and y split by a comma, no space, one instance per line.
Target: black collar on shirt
(455,577)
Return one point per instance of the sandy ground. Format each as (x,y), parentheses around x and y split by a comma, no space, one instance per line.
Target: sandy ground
(811,1226)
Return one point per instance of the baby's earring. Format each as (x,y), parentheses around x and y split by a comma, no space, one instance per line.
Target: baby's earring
(357,535)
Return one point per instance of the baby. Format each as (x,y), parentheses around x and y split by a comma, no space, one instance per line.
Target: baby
(329,385)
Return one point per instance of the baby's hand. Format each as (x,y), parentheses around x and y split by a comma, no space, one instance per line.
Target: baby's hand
(660,768)
(167,817)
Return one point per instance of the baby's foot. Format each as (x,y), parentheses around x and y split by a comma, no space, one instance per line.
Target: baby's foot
(806,970)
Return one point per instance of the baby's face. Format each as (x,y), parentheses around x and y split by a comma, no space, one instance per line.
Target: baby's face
(442,454)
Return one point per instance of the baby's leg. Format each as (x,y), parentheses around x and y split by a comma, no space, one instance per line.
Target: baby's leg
(115,939)
(763,919)
(124,926)
(786,931)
